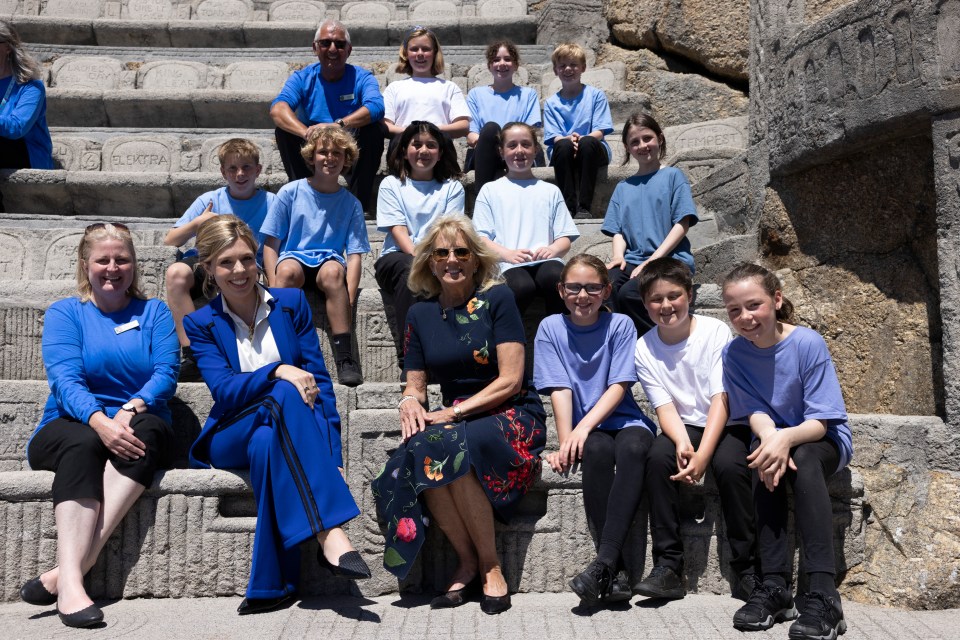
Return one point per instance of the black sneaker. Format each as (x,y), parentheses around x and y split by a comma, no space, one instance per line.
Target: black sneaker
(745,585)
(620,590)
(348,372)
(582,214)
(821,618)
(189,371)
(663,582)
(765,606)
(594,583)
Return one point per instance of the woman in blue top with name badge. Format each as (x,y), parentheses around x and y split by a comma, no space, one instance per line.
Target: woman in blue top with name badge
(111,358)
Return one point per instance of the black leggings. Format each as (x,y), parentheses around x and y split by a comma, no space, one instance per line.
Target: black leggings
(75,453)
(540,279)
(485,159)
(613,468)
(576,170)
(813,511)
(626,298)
(391,271)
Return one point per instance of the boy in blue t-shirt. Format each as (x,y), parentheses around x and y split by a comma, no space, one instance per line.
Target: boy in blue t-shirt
(240,167)
(575,120)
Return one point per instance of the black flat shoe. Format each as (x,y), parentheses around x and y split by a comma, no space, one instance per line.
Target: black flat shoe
(262,605)
(33,592)
(456,597)
(83,618)
(350,565)
(492,605)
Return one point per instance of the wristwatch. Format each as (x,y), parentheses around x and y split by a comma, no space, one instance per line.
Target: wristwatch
(340,122)
(132,408)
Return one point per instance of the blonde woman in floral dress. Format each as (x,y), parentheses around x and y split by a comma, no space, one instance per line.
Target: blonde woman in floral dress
(474,458)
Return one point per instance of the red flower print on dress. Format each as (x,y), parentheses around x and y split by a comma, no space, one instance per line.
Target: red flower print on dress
(407,529)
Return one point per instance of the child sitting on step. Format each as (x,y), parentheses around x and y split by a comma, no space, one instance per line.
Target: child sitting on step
(240,167)
(575,120)
(315,224)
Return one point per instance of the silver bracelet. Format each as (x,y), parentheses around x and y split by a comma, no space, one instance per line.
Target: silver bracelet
(404,399)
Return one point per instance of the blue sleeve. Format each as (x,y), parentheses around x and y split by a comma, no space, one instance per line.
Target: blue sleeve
(357,241)
(312,361)
(165,349)
(507,323)
(611,221)
(743,403)
(63,359)
(532,108)
(549,371)
(681,202)
(476,122)
(19,120)
(602,119)
(457,200)
(233,389)
(369,92)
(623,345)
(390,209)
(822,397)
(553,125)
(292,92)
(277,222)
(195,209)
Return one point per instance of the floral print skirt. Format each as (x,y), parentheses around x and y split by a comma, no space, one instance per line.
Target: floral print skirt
(502,447)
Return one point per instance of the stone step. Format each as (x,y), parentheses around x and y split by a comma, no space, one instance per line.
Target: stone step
(236,23)
(191,533)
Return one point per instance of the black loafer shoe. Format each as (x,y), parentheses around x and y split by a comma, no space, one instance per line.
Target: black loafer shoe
(350,565)
(262,605)
(83,618)
(492,605)
(33,592)
(456,597)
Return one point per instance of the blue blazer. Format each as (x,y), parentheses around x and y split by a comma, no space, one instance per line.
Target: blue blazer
(213,340)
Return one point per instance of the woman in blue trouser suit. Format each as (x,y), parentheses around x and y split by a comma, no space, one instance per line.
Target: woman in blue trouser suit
(274,411)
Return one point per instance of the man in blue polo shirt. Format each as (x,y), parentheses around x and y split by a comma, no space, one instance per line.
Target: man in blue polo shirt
(331,93)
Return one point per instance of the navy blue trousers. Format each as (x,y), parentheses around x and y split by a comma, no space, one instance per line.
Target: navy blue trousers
(292,453)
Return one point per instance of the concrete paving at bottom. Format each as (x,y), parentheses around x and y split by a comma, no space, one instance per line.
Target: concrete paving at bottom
(543,615)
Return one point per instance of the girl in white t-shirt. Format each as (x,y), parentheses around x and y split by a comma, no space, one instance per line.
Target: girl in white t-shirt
(526,222)
(424,95)
(679,364)
(422,186)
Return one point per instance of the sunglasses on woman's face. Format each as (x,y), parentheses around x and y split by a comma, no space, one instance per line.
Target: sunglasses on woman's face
(442,253)
(574,288)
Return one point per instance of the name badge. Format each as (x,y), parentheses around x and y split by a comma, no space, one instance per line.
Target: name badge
(347,97)
(133,324)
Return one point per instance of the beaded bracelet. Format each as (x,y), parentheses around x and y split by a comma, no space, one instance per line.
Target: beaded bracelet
(404,399)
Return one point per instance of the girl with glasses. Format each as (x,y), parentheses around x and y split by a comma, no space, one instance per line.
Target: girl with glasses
(525,221)
(472,459)
(584,360)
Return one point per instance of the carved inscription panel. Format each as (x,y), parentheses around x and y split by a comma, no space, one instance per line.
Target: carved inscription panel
(138,155)
(72,9)
(87,73)
(149,9)
(297,11)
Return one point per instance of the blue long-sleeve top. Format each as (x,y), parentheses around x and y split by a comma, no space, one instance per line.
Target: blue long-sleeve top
(25,116)
(98,361)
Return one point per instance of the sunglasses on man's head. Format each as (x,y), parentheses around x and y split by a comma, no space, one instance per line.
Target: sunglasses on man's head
(574,288)
(326,42)
(460,253)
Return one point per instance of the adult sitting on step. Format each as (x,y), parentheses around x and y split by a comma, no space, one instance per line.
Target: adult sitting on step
(24,137)
(274,413)
(111,356)
(475,457)
(331,93)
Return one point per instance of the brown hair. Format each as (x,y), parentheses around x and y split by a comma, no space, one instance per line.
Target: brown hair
(422,281)
(331,137)
(670,269)
(447,166)
(240,147)
(215,235)
(767,280)
(494,48)
(404,65)
(98,232)
(643,120)
(25,68)
(586,260)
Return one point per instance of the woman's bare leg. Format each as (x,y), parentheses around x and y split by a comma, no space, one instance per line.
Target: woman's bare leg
(76,522)
(447,516)
(477,515)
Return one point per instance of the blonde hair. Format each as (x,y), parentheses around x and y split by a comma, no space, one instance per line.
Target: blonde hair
(215,235)
(240,147)
(331,137)
(422,281)
(25,68)
(404,65)
(569,51)
(99,232)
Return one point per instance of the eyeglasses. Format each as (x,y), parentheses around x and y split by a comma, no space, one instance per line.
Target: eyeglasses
(96,226)
(574,288)
(442,253)
(326,42)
